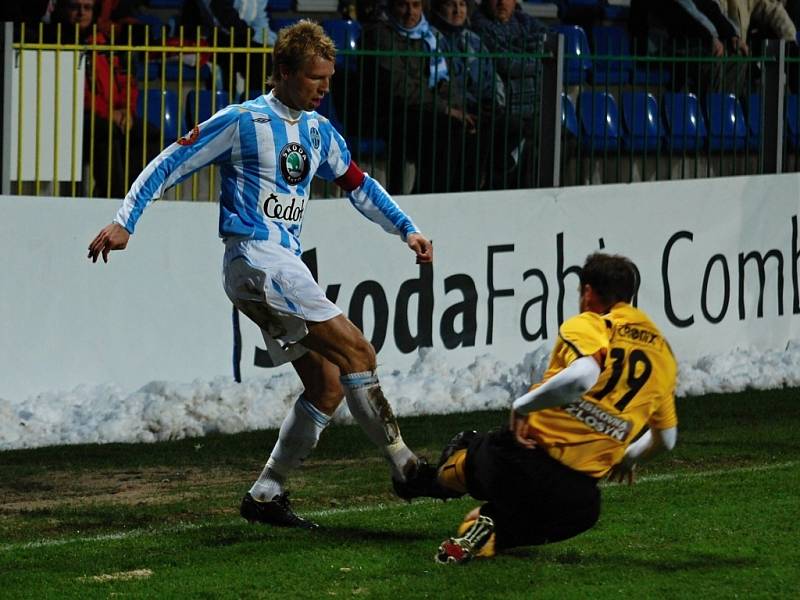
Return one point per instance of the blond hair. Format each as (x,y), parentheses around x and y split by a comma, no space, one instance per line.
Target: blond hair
(299,43)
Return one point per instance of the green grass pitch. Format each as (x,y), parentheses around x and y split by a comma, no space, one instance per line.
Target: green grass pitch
(717,518)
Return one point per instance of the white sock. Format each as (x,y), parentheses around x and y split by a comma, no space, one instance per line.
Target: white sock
(372,412)
(298,436)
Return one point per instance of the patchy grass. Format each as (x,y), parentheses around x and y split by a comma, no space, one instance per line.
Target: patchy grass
(718,517)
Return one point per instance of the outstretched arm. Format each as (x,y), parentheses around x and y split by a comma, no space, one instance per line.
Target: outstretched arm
(207,143)
(652,443)
(375,203)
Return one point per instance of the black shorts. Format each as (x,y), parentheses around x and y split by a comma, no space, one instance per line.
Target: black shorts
(532,498)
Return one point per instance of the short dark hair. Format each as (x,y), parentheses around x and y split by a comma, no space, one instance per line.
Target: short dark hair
(613,277)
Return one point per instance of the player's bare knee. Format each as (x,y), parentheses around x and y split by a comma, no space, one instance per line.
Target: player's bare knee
(363,357)
(326,399)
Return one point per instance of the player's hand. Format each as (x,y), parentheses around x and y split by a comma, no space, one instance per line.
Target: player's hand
(519,427)
(111,237)
(421,247)
(622,473)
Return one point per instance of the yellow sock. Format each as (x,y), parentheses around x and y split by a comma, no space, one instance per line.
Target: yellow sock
(488,548)
(452,473)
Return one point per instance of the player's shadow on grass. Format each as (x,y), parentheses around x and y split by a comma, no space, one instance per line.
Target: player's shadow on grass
(698,561)
(222,536)
(337,533)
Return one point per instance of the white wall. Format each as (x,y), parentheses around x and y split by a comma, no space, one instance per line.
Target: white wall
(157,310)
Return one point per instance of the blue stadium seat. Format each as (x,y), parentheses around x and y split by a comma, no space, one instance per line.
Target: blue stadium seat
(685,123)
(599,117)
(617,11)
(358,146)
(345,34)
(278,23)
(754,117)
(206,105)
(792,121)
(251,95)
(156,25)
(274,6)
(643,130)
(611,40)
(165,3)
(174,68)
(172,71)
(727,129)
(569,118)
(170,120)
(650,73)
(577,63)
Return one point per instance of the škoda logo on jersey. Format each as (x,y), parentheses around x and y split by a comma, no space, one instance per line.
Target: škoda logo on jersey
(285,208)
(294,163)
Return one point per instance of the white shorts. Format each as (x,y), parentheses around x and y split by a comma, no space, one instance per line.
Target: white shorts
(275,289)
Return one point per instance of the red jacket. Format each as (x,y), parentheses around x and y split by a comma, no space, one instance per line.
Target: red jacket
(107,91)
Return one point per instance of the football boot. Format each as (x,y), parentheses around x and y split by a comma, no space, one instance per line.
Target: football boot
(421,480)
(477,539)
(277,512)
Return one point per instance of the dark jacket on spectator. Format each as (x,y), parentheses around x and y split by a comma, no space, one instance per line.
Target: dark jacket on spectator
(521,33)
(473,78)
(404,77)
(687,24)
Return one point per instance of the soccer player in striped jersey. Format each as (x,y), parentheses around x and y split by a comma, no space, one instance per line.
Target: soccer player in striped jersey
(268,150)
(611,374)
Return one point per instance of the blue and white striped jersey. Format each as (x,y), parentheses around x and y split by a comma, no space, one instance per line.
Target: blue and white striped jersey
(268,155)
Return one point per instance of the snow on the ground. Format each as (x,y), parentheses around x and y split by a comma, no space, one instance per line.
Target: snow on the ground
(165,410)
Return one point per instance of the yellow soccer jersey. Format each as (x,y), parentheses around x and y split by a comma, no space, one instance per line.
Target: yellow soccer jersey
(636,388)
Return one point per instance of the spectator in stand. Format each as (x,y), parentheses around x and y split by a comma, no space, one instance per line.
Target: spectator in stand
(117,14)
(474,81)
(429,123)
(234,20)
(31,11)
(109,104)
(768,18)
(793,10)
(691,28)
(504,27)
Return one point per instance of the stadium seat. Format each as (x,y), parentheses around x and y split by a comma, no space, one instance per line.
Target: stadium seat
(280,6)
(599,116)
(611,40)
(156,26)
(792,121)
(569,118)
(278,23)
(165,3)
(685,123)
(358,146)
(251,95)
(170,120)
(754,118)
(205,106)
(577,63)
(172,71)
(640,115)
(616,10)
(345,34)
(727,129)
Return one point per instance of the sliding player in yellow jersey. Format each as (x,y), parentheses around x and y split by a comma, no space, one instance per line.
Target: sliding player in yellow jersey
(611,374)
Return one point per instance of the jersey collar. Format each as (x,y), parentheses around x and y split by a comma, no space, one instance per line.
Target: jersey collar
(283,111)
